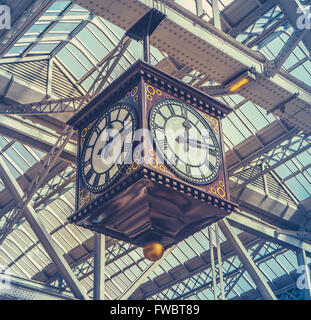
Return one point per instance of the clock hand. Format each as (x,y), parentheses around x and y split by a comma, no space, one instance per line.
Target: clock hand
(109,147)
(193,143)
(110,139)
(187,126)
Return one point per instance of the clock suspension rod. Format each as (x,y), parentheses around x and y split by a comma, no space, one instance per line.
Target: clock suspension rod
(143,29)
(147,48)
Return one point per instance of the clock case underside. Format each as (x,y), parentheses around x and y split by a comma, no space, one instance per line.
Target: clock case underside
(148,202)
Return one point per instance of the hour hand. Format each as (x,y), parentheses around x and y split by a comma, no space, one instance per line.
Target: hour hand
(104,146)
(108,145)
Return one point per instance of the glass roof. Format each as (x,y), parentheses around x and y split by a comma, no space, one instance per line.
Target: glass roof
(80,41)
(295,173)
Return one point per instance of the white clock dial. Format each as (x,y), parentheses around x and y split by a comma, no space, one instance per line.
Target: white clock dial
(185,141)
(107,147)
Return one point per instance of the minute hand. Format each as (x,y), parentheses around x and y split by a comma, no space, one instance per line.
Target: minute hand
(193,143)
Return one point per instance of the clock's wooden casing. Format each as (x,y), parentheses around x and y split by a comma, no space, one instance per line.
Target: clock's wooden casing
(148,202)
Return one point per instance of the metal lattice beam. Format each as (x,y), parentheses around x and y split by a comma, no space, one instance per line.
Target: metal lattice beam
(40,231)
(32,11)
(268,232)
(265,149)
(199,278)
(272,160)
(17,213)
(112,253)
(68,105)
(252,17)
(289,8)
(130,290)
(273,67)
(247,261)
(19,289)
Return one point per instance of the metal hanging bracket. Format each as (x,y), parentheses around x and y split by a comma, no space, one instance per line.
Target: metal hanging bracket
(143,29)
(281,106)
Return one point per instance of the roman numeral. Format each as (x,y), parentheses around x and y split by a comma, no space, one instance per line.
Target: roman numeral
(163,116)
(108,117)
(107,177)
(157,127)
(87,163)
(184,112)
(96,180)
(201,172)
(174,160)
(211,166)
(89,175)
(188,170)
(98,131)
(172,111)
(128,114)
(213,152)
(163,144)
(118,113)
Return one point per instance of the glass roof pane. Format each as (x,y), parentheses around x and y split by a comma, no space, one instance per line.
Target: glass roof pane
(64,27)
(90,36)
(37,29)
(71,63)
(17,50)
(300,192)
(59,5)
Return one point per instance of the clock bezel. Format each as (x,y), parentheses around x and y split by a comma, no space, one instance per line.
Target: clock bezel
(171,167)
(124,166)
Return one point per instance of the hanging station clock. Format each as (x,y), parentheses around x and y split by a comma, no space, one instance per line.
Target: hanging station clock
(162,185)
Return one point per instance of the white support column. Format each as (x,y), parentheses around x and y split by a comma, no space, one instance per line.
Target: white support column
(306,279)
(99,266)
(44,237)
(50,78)
(199,7)
(216,14)
(247,261)
(211,249)
(219,260)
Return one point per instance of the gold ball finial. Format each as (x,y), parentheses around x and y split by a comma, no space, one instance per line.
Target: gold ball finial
(153,251)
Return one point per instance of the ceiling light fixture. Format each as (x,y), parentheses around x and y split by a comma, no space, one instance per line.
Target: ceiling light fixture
(241,81)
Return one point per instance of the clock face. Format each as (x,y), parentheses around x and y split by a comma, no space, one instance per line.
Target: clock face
(185,141)
(107,147)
